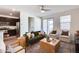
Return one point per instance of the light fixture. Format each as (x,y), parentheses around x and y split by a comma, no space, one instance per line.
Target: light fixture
(13,9)
(11,14)
(42,11)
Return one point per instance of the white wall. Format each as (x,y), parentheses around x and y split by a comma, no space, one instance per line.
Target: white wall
(56,22)
(24,22)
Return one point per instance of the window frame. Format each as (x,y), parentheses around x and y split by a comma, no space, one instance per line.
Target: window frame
(65,22)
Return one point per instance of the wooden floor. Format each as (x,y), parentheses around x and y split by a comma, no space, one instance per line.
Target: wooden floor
(64,47)
(9,40)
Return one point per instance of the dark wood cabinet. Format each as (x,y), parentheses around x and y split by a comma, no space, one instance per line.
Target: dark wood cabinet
(76,42)
(12,32)
(12,24)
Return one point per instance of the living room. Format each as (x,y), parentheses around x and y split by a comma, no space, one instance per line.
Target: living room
(55,24)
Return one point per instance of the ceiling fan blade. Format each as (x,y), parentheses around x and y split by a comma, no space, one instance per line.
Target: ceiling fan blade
(47,9)
(41,7)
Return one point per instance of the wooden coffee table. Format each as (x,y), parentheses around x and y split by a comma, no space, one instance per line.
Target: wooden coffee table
(51,46)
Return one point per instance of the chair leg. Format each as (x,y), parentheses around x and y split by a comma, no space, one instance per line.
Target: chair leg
(25,50)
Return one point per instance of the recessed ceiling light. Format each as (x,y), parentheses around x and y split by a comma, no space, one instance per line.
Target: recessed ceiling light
(13,9)
(11,14)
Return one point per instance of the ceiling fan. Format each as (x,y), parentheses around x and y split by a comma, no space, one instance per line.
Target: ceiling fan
(43,9)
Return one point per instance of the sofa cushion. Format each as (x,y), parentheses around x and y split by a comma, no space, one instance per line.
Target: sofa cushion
(35,39)
(29,35)
(36,33)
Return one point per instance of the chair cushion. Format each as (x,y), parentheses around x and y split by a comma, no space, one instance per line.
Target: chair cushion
(53,32)
(77,33)
(65,33)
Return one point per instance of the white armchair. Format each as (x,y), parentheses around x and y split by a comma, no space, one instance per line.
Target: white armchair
(65,36)
(53,34)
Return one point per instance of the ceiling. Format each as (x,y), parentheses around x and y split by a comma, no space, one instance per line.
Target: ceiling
(35,9)
(9,13)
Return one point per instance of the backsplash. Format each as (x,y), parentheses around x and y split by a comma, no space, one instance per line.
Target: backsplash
(4,23)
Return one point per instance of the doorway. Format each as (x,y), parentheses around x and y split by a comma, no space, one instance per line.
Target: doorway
(30,24)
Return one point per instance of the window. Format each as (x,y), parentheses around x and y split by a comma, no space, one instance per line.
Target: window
(48,25)
(45,26)
(65,22)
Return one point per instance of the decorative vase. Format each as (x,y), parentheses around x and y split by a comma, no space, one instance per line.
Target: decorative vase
(48,40)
